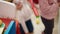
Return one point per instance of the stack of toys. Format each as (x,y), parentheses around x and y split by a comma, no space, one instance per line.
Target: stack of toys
(10,28)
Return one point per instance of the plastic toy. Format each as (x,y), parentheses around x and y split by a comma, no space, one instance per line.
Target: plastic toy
(37,20)
(0,22)
(7,10)
(7,13)
(11,28)
(2,25)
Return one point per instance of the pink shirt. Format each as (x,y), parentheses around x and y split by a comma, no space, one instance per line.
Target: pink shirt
(49,8)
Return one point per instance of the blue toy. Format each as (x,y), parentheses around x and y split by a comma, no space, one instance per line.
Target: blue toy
(11,28)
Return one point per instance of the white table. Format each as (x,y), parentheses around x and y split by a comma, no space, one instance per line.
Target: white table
(2,28)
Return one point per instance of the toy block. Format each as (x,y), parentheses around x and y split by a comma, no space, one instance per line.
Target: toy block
(11,29)
(2,28)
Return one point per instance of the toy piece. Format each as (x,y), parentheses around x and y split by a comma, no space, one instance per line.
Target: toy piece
(37,20)
(6,21)
(2,25)
(0,22)
(11,28)
(17,27)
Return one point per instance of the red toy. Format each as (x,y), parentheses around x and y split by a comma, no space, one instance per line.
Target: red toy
(7,22)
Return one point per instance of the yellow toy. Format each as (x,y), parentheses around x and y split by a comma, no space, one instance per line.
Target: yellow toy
(0,22)
(37,20)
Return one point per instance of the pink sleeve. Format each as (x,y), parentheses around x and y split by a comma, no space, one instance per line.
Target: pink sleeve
(21,20)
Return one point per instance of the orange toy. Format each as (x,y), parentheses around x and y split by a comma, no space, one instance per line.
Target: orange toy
(0,22)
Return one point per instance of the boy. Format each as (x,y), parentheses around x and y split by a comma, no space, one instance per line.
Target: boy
(23,16)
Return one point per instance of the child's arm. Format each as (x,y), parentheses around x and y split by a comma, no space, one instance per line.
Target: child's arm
(24,26)
(21,20)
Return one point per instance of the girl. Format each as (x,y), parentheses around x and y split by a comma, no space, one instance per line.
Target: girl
(23,16)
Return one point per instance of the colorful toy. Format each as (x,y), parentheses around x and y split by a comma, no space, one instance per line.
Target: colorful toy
(11,28)
(0,22)
(7,13)
(37,20)
(2,25)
